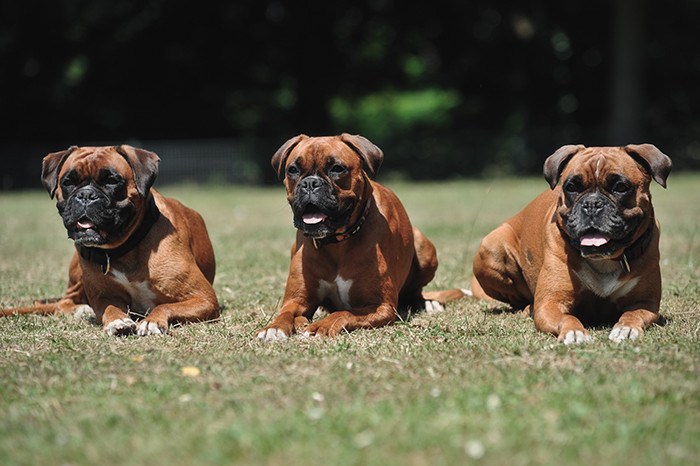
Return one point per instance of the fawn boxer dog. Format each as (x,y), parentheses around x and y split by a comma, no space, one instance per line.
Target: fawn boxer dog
(585,251)
(137,253)
(356,253)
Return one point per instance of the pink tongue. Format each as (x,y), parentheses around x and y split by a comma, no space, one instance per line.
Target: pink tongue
(86,225)
(312,219)
(593,240)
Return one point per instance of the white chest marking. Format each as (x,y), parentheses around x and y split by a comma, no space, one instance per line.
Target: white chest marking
(143,299)
(605,285)
(338,292)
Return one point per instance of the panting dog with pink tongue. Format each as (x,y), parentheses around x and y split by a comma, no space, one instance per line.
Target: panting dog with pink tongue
(586,251)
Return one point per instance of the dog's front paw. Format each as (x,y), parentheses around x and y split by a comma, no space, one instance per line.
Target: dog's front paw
(330,326)
(271,334)
(150,328)
(622,333)
(124,326)
(576,337)
(83,312)
(433,307)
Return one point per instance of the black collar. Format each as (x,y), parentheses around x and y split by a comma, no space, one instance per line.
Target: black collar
(337,238)
(103,257)
(637,248)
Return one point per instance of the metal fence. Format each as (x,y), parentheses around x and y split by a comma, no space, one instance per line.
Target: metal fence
(205,161)
(185,160)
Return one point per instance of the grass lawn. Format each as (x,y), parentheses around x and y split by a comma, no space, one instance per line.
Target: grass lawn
(470,385)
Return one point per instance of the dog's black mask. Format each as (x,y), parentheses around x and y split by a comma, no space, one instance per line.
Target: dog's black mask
(95,212)
(596,226)
(316,208)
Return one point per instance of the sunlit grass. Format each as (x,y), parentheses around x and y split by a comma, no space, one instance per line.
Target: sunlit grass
(453,388)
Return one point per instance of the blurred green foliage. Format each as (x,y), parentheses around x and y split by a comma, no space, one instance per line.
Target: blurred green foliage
(381,114)
(468,88)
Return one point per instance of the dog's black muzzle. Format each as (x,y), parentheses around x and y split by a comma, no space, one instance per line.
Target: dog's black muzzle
(88,216)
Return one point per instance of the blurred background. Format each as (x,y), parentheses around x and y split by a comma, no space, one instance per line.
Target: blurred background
(446,88)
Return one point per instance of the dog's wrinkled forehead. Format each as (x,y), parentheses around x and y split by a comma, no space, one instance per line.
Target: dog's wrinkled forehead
(594,165)
(89,162)
(314,154)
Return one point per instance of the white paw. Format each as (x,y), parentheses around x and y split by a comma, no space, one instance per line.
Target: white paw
(575,337)
(150,328)
(123,326)
(83,312)
(466,292)
(272,334)
(432,307)
(622,333)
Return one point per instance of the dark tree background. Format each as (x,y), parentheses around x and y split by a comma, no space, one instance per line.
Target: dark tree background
(446,88)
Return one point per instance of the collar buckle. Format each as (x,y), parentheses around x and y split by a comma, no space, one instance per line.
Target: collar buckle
(624,263)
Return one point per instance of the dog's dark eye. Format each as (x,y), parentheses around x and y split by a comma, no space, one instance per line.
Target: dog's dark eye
(109,178)
(292,170)
(70,180)
(621,187)
(337,169)
(112,180)
(572,187)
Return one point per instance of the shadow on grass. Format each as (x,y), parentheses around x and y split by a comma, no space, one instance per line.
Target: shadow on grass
(501,309)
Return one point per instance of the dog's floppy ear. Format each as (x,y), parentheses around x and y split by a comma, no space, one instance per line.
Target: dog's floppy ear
(656,162)
(279,160)
(50,168)
(556,162)
(143,163)
(371,155)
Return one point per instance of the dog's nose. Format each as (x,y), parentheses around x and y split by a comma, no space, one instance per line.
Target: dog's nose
(311,183)
(86,195)
(593,204)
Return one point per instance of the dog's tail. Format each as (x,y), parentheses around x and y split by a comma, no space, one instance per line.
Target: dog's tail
(446,295)
(38,308)
(66,305)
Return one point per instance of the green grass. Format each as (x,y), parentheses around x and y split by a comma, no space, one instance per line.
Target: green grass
(468,385)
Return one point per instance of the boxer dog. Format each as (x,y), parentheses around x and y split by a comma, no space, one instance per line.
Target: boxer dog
(585,251)
(137,252)
(356,253)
